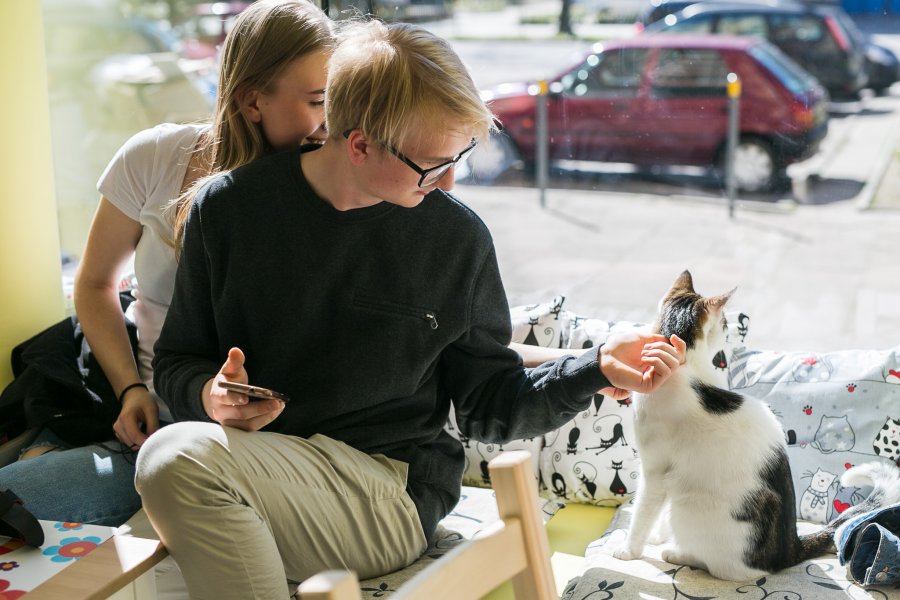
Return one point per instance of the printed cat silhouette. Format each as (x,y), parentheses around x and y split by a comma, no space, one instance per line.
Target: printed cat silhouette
(834,435)
(814,501)
(887,441)
(609,424)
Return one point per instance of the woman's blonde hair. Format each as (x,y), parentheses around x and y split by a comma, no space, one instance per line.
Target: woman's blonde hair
(266,37)
(391,79)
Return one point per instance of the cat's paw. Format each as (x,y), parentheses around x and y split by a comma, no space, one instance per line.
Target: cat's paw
(676,556)
(672,556)
(624,553)
(658,537)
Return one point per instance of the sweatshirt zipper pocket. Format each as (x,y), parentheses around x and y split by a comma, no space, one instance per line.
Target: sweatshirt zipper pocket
(396,308)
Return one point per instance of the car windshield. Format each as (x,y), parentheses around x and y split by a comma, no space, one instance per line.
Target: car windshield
(792,76)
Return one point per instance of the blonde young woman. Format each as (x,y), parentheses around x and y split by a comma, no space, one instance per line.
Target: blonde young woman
(271,97)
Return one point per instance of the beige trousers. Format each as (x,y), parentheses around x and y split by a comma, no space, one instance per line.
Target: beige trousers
(244,512)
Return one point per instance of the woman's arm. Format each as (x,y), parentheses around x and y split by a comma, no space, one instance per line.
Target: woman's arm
(111,241)
(533,356)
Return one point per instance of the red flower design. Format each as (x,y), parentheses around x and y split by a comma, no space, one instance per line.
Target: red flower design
(10,545)
(76,549)
(8,594)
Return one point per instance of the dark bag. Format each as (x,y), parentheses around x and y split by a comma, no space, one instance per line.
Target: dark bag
(16,522)
(60,385)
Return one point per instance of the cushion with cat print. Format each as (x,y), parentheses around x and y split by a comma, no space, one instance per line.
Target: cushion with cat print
(542,324)
(837,409)
(592,458)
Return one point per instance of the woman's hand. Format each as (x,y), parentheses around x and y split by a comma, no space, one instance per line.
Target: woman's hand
(640,362)
(138,408)
(233,409)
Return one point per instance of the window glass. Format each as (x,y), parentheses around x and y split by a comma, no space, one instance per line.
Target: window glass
(689,73)
(610,128)
(613,73)
(787,71)
(801,28)
(698,24)
(742,25)
(804,35)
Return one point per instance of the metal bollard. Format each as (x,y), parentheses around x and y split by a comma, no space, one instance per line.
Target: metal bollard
(541,166)
(733,90)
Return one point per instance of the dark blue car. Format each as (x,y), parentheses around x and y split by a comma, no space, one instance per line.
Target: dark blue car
(814,36)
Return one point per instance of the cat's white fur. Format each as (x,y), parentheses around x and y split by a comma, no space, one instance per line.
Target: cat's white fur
(700,465)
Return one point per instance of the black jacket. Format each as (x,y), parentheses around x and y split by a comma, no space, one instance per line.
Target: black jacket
(60,385)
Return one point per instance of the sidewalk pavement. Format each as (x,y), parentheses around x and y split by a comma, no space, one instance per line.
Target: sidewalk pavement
(817,278)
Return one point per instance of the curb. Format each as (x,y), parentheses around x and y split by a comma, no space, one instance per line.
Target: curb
(866,196)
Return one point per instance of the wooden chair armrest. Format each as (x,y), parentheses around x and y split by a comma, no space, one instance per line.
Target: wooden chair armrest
(105,570)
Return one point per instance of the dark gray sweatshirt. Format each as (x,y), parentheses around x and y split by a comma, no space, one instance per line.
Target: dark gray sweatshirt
(372,320)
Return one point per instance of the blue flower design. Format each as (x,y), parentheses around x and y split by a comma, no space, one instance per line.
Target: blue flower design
(72,548)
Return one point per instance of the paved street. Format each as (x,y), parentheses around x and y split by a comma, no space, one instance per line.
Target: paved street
(813,278)
(816,271)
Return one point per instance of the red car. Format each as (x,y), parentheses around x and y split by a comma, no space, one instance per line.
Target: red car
(661,100)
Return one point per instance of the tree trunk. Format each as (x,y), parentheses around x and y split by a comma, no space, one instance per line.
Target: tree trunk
(565,18)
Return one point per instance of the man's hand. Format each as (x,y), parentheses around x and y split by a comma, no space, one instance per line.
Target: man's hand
(233,409)
(139,408)
(640,362)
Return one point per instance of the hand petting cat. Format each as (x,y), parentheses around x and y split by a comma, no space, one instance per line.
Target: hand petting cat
(639,362)
(233,409)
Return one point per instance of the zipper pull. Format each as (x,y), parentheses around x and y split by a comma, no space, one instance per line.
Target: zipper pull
(432,320)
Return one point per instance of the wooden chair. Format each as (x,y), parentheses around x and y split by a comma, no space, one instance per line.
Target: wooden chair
(515,548)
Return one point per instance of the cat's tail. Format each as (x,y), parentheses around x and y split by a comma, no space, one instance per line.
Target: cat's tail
(884,478)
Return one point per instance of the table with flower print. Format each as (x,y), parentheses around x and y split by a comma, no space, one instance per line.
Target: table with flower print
(76,561)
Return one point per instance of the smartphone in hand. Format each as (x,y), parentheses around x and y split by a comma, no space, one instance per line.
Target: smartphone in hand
(254,392)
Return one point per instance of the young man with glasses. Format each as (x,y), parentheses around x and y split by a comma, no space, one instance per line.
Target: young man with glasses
(357,286)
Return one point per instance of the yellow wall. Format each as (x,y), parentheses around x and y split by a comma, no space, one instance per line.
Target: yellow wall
(31,295)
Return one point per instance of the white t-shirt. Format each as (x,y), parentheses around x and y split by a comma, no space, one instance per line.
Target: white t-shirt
(141,180)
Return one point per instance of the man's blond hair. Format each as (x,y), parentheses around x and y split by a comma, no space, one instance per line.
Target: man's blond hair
(390,79)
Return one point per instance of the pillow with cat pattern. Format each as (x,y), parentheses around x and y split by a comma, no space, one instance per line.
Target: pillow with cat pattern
(592,459)
(837,409)
(544,324)
(479,454)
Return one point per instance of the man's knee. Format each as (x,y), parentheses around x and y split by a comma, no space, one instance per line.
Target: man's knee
(176,457)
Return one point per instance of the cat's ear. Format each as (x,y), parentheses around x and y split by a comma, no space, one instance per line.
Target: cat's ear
(716,303)
(684,283)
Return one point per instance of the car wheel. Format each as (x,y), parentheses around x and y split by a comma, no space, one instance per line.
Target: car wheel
(494,157)
(755,168)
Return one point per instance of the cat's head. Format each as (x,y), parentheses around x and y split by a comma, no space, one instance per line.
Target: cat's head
(699,321)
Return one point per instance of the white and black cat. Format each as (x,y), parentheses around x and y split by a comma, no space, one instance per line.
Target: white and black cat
(716,461)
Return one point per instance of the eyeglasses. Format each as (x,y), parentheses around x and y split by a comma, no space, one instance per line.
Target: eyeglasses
(431,175)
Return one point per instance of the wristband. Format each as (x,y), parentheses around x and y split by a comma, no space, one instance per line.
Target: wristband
(131,387)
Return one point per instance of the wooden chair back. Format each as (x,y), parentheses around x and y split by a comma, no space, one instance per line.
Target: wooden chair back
(515,548)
